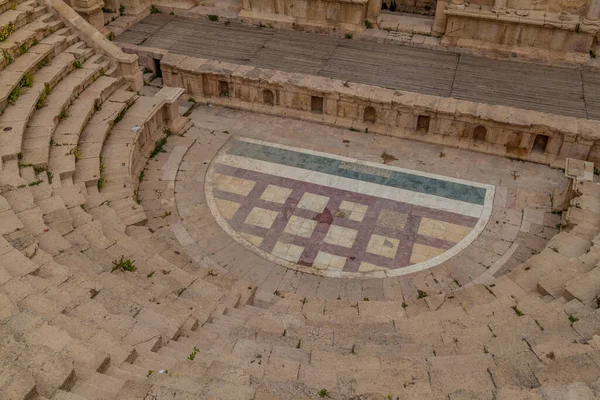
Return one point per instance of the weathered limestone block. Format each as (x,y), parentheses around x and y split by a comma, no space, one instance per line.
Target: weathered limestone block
(316,14)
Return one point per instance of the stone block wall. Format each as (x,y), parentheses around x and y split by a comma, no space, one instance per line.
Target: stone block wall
(576,7)
(422,7)
(492,129)
(348,15)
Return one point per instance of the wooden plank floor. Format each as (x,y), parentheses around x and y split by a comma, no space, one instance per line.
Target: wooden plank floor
(553,89)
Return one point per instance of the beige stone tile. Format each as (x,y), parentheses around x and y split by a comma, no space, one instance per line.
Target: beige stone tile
(261,217)
(227,208)
(276,194)
(443,230)
(383,246)
(421,253)
(391,219)
(287,251)
(352,211)
(325,260)
(233,184)
(300,226)
(368,267)
(255,240)
(340,236)
(313,202)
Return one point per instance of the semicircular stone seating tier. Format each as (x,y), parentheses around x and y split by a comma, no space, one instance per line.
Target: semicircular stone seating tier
(105,293)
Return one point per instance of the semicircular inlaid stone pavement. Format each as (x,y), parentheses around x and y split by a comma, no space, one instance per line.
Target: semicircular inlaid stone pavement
(340,217)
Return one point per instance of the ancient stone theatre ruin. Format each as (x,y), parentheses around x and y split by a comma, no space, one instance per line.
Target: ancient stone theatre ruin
(299,199)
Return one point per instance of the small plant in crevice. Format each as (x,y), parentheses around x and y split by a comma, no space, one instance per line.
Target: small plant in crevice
(193,353)
(323,393)
(77,64)
(592,54)
(517,311)
(14,95)
(150,372)
(573,319)
(102,180)
(212,17)
(26,80)
(421,294)
(35,183)
(404,305)
(6,31)
(43,97)
(8,57)
(110,36)
(154,9)
(158,147)
(123,264)
(45,61)
(121,10)
(63,115)
(368,24)
(150,274)
(142,175)
(22,49)
(76,152)
(147,70)
(348,36)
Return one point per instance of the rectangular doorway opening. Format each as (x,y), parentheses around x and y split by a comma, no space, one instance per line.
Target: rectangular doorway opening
(540,143)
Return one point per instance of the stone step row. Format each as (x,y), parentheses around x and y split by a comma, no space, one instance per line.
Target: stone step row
(15,119)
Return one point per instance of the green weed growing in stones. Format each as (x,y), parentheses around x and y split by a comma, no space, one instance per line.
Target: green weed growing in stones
(43,97)
(123,265)
(7,56)
(45,61)
(154,9)
(159,147)
(193,354)
(27,80)
(323,393)
(517,311)
(212,17)
(14,95)
(573,319)
(421,294)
